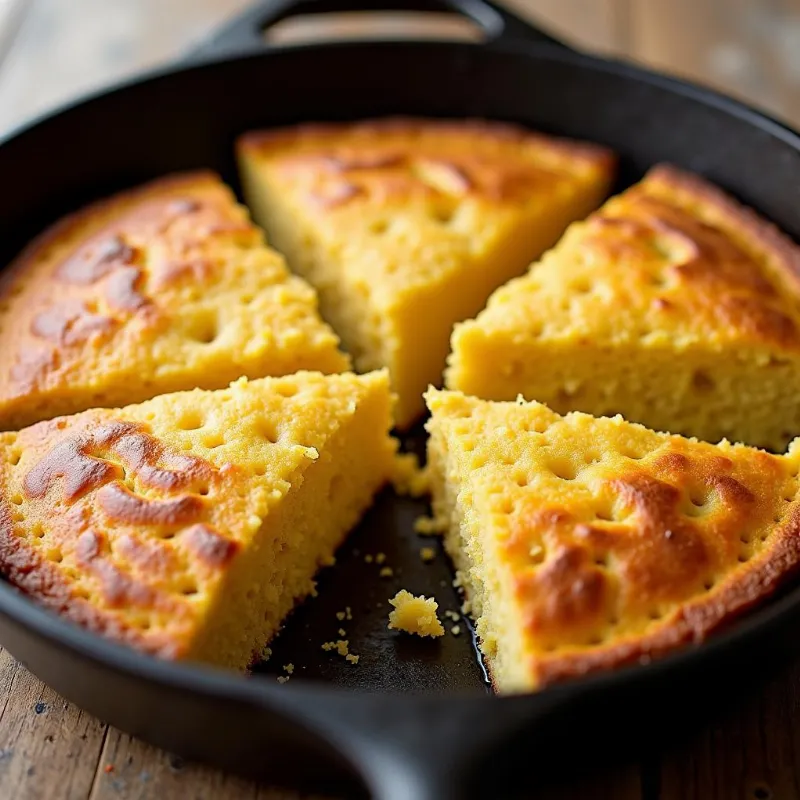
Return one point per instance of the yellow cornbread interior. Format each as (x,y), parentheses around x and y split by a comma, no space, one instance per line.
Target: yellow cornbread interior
(415,615)
(672,306)
(163,288)
(587,544)
(199,548)
(405,228)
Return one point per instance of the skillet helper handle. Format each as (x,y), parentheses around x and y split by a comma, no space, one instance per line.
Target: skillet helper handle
(245,32)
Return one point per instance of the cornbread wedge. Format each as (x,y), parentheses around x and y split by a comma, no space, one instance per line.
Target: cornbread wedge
(190,525)
(162,288)
(585,544)
(405,226)
(672,305)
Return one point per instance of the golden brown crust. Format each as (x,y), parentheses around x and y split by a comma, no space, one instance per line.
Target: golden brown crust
(599,543)
(695,621)
(108,526)
(763,235)
(102,276)
(381,160)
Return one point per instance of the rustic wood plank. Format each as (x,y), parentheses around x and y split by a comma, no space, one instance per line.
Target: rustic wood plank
(749,50)
(750,753)
(132,770)
(596,25)
(48,748)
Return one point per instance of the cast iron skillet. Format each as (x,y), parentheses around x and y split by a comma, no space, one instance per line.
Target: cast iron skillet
(420,723)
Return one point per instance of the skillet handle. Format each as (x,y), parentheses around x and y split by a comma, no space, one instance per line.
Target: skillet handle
(245,33)
(436,748)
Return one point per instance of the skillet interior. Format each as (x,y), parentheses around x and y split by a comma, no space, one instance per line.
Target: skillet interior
(189,119)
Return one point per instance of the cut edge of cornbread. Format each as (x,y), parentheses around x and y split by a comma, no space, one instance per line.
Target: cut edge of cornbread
(447,250)
(735,376)
(347,483)
(474,538)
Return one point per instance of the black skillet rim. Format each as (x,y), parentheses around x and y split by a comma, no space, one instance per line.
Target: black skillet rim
(223,684)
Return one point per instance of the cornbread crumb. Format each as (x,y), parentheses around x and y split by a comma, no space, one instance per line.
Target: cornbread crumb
(342,647)
(415,615)
(352,658)
(410,478)
(380,558)
(428,526)
(368,558)
(283,678)
(455,630)
(342,632)
(453,615)
(340,615)
(266,653)
(348,613)
(386,572)
(288,668)
(427,554)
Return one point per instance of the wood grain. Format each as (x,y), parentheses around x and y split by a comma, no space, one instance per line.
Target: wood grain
(748,49)
(48,747)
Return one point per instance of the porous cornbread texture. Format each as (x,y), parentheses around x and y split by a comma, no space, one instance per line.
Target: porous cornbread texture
(165,287)
(405,226)
(189,526)
(586,544)
(672,305)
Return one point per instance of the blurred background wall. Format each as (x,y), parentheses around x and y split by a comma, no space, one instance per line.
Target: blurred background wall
(749,48)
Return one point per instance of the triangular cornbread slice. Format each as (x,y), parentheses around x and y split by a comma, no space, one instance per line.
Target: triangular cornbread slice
(405,226)
(672,305)
(189,526)
(162,288)
(587,543)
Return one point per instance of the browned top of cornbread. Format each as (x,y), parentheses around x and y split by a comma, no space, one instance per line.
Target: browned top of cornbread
(671,260)
(392,160)
(165,287)
(126,520)
(82,283)
(616,543)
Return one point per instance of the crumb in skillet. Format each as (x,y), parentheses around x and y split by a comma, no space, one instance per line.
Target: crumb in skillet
(415,615)
(409,477)
(455,630)
(428,526)
(368,558)
(342,632)
(340,615)
(427,554)
(380,558)
(283,678)
(352,658)
(289,668)
(348,614)
(386,572)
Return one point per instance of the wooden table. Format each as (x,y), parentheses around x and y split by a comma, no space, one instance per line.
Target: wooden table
(49,749)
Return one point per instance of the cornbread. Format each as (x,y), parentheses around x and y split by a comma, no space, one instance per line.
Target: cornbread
(405,226)
(585,544)
(189,526)
(165,287)
(415,615)
(672,305)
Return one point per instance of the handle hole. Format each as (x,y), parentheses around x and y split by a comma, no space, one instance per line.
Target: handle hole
(354,25)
